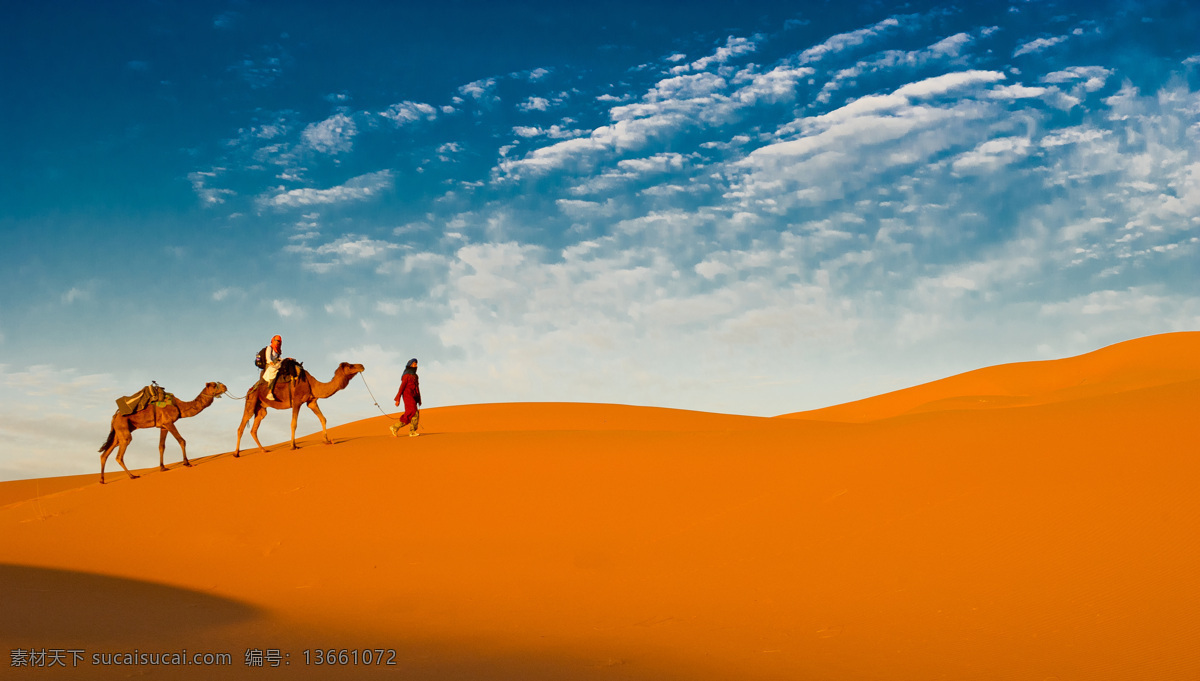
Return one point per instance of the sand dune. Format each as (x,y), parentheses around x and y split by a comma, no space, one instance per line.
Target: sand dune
(1053,540)
(1140,363)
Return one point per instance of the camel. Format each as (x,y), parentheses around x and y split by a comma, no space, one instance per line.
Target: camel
(292,394)
(163,418)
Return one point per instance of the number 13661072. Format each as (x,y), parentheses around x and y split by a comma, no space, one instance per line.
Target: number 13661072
(365,656)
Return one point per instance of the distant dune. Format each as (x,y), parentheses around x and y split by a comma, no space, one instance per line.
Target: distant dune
(1053,538)
(1132,365)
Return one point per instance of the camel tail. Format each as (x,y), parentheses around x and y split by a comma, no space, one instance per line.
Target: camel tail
(112,433)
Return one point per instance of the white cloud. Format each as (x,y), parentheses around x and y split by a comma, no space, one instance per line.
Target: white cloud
(287,309)
(597,299)
(734,46)
(579,153)
(613,98)
(359,188)
(334,135)
(227,292)
(951,46)
(844,130)
(584,210)
(940,85)
(672,104)
(947,49)
(1089,78)
(1134,302)
(776,85)
(844,41)
(992,154)
(447,150)
(209,196)
(480,90)
(1012,92)
(1075,135)
(407,112)
(350,249)
(658,163)
(1038,45)
(534,104)
(680,87)
(897,102)
(711,269)
(553,132)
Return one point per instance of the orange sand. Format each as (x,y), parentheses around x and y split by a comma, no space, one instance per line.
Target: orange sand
(1052,539)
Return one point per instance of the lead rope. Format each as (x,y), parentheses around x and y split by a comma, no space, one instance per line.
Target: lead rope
(381,411)
(235,397)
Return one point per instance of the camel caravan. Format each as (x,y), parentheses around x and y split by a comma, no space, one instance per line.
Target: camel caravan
(283,384)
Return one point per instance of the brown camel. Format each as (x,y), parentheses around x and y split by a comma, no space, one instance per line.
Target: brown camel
(153,416)
(292,395)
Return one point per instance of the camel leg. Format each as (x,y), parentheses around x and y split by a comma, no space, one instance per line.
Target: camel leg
(259,415)
(104,457)
(162,446)
(320,417)
(295,415)
(182,445)
(121,455)
(121,436)
(251,403)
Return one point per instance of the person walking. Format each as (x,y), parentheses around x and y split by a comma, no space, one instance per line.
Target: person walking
(410,392)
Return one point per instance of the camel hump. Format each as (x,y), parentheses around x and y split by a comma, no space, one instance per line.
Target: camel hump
(143,398)
(292,369)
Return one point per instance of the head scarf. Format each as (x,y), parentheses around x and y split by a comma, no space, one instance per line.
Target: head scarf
(411,367)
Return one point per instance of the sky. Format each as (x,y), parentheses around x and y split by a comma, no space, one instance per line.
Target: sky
(751,208)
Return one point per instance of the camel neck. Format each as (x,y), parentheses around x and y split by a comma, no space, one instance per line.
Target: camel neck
(202,401)
(322,390)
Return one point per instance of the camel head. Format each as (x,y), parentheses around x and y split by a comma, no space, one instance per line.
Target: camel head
(348,370)
(214,388)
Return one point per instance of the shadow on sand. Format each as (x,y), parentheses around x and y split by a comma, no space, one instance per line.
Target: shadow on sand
(64,606)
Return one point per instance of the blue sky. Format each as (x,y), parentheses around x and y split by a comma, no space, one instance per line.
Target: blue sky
(749,208)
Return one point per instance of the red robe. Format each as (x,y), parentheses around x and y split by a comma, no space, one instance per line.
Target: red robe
(410,392)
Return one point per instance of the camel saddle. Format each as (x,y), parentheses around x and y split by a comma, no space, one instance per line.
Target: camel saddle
(291,370)
(151,395)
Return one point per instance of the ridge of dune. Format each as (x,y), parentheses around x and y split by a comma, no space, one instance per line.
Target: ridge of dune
(499,417)
(578,416)
(1130,365)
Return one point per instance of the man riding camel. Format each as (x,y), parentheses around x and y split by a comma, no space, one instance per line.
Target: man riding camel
(272,356)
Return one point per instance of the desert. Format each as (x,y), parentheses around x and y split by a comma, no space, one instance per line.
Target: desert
(1023,521)
(752,341)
